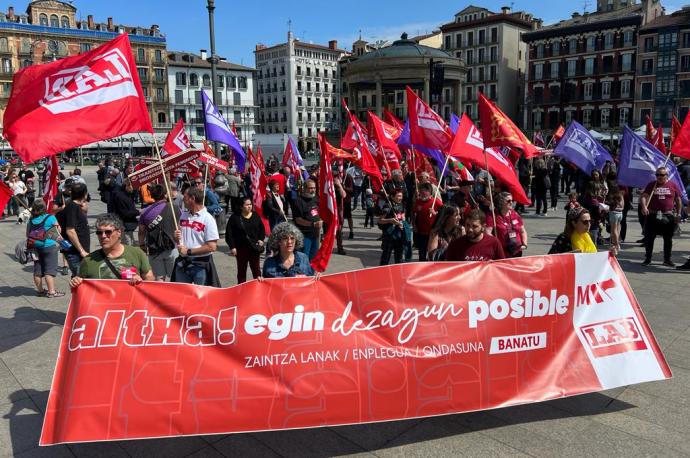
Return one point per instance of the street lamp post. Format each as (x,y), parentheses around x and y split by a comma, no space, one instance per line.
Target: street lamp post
(213,59)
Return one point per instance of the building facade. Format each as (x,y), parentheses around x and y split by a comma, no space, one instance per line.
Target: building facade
(298,89)
(50,30)
(189,74)
(491,47)
(377,79)
(662,86)
(583,68)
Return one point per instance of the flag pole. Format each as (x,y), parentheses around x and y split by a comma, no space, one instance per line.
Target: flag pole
(203,201)
(438,187)
(491,194)
(165,181)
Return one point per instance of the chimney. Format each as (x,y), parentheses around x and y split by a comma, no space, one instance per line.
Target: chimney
(576,14)
(505,9)
(333,44)
(110,24)
(259,47)
(10,13)
(89,21)
(203,54)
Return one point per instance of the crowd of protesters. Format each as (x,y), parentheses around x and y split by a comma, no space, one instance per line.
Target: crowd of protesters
(421,218)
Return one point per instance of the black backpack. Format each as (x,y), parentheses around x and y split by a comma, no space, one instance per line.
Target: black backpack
(157,240)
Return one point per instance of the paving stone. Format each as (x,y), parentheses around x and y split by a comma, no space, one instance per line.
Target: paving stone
(312,442)
(245,445)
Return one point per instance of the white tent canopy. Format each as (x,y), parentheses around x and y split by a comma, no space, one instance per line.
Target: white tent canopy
(597,135)
(642,131)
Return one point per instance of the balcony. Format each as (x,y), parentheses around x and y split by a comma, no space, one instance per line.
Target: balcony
(141,60)
(164,125)
(162,99)
(144,78)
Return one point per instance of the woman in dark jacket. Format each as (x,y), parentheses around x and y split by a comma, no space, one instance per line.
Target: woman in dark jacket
(541,183)
(245,234)
(275,205)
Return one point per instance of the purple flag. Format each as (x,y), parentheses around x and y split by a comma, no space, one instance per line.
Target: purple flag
(218,130)
(454,123)
(579,147)
(639,161)
(298,157)
(405,141)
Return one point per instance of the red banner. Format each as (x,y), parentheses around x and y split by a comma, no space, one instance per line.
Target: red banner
(386,343)
(213,161)
(170,163)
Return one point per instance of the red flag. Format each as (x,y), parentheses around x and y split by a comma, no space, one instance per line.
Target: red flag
(177,140)
(675,129)
(51,186)
(650,130)
(681,142)
(558,134)
(258,188)
(422,164)
(76,100)
(469,147)
(233,127)
(393,120)
(427,128)
(659,140)
(328,210)
(499,130)
(361,150)
(5,196)
(375,145)
(340,154)
(387,136)
(538,139)
(349,141)
(260,159)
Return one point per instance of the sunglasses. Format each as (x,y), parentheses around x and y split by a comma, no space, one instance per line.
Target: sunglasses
(107,232)
(661,174)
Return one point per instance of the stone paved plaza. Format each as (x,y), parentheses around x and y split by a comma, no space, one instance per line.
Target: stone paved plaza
(651,419)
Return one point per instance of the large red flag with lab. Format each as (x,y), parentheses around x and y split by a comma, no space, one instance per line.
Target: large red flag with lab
(427,128)
(499,130)
(328,210)
(177,140)
(74,101)
(361,150)
(468,146)
(385,136)
(51,186)
(681,140)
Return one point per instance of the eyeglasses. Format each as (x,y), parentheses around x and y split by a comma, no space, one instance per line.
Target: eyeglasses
(107,232)
(661,174)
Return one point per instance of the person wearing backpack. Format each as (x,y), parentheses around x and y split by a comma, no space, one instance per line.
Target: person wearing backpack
(157,233)
(42,233)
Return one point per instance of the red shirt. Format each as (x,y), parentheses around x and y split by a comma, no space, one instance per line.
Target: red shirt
(423,219)
(280,178)
(664,197)
(486,249)
(507,229)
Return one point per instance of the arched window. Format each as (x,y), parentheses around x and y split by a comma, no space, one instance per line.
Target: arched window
(193,80)
(6,65)
(43,19)
(62,48)
(3,45)
(64,22)
(206,80)
(162,118)
(54,21)
(26,45)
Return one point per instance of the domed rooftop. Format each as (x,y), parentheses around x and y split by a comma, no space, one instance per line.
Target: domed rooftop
(404,48)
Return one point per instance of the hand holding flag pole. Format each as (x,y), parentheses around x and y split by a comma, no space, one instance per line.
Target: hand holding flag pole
(443,173)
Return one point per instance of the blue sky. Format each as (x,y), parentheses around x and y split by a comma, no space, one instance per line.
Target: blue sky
(241,24)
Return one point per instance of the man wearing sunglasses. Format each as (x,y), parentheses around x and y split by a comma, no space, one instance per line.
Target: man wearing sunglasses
(114,260)
(660,204)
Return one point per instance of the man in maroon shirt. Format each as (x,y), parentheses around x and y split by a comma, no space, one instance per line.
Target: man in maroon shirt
(475,245)
(660,204)
(424,217)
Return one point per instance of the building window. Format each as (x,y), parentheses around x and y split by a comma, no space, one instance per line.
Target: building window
(468,110)
(589,66)
(628,38)
(159,74)
(554,69)
(538,71)
(492,91)
(162,118)
(180,79)
(494,35)
(627,62)
(193,80)
(206,80)
(458,40)
(43,19)
(470,57)
(141,55)
(572,46)
(540,51)
(587,118)
(623,116)
(242,82)
(537,120)
(625,88)
(179,97)
(555,48)
(470,38)
(232,82)
(587,90)
(572,67)
(54,21)
(481,37)
(4,47)
(447,41)
(492,72)
(480,56)
(605,116)
(568,116)
(606,90)
(84,47)
(299,101)
(160,95)
(646,91)
(608,41)
(64,20)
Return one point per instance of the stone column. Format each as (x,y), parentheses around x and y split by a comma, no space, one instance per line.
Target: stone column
(379,98)
(427,92)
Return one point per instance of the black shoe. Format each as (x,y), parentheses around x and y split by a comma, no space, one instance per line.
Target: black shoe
(341,251)
(669,263)
(685,266)
(351,236)
(646,262)
(639,241)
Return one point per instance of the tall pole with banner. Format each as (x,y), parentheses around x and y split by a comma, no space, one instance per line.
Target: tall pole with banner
(213,60)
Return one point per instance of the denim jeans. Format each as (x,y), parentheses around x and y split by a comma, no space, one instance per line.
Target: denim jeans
(73,261)
(311,247)
(190,273)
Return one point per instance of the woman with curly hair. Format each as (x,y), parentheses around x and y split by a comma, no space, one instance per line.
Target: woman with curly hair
(284,240)
(448,227)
